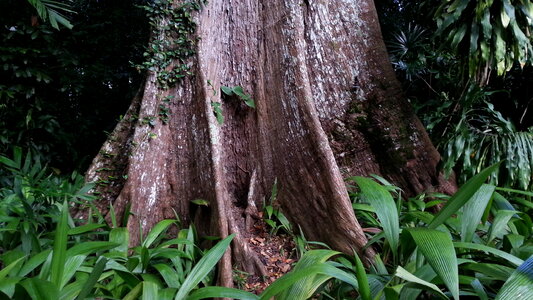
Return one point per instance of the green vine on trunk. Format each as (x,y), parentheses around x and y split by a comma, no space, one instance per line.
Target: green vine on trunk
(173,41)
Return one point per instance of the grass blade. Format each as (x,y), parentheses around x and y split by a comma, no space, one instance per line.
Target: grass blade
(520,284)
(509,257)
(203,267)
(362,279)
(425,273)
(156,232)
(134,293)
(479,289)
(169,275)
(405,275)
(84,229)
(5,271)
(72,264)
(288,280)
(221,292)
(59,254)
(464,194)
(89,247)
(305,287)
(438,250)
(381,200)
(93,278)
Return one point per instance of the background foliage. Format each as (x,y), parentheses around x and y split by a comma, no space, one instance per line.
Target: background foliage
(466,74)
(62,89)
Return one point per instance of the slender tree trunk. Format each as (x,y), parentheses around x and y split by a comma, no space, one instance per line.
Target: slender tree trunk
(328,106)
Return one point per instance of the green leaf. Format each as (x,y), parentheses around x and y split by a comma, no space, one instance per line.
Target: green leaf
(87,248)
(217,108)
(203,267)
(5,271)
(8,285)
(362,279)
(412,290)
(405,275)
(84,229)
(150,290)
(500,222)
(464,194)
(438,250)
(511,258)
(508,190)
(520,284)
(288,280)
(479,289)
(305,287)
(72,264)
(250,102)
(458,36)
(70,291)
(474,36)
(381,200)
(227,90)
(8,162)
(121,237)
(494,271)
(156,232)
(473,211)
(134,293)
(170,275)
(201,202)
(221,292)
(59,254)
(39,289)
(93,278)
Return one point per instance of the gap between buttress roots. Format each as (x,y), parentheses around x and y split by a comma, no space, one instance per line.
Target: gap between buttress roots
(258,257)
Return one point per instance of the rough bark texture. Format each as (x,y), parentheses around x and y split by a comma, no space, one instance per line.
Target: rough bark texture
(328,106)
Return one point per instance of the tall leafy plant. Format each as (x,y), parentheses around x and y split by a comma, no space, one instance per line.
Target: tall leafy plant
(478,229)
(481,137)
(488,34)
(54,11)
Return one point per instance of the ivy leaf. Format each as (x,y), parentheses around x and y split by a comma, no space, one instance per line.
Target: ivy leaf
(227,90)
(201,202)
(249,101)
(217,108)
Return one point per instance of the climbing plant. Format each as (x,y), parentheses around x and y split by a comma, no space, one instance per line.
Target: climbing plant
(173,40)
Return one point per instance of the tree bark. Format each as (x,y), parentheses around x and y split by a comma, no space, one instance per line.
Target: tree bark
(328,106)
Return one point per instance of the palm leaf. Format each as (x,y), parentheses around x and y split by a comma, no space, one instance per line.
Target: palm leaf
(438,250)
(304,288)
(406,275)
(473,211)
(509,257)
(221,292)
(381,200)
(203,267)
(288,280)
(93,278)
(156,231)
(59,254)
(464,194)
(520,284)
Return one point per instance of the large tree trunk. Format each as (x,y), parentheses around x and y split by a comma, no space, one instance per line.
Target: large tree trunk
(328,106)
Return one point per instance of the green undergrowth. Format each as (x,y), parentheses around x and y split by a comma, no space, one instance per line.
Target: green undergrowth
(478,245)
